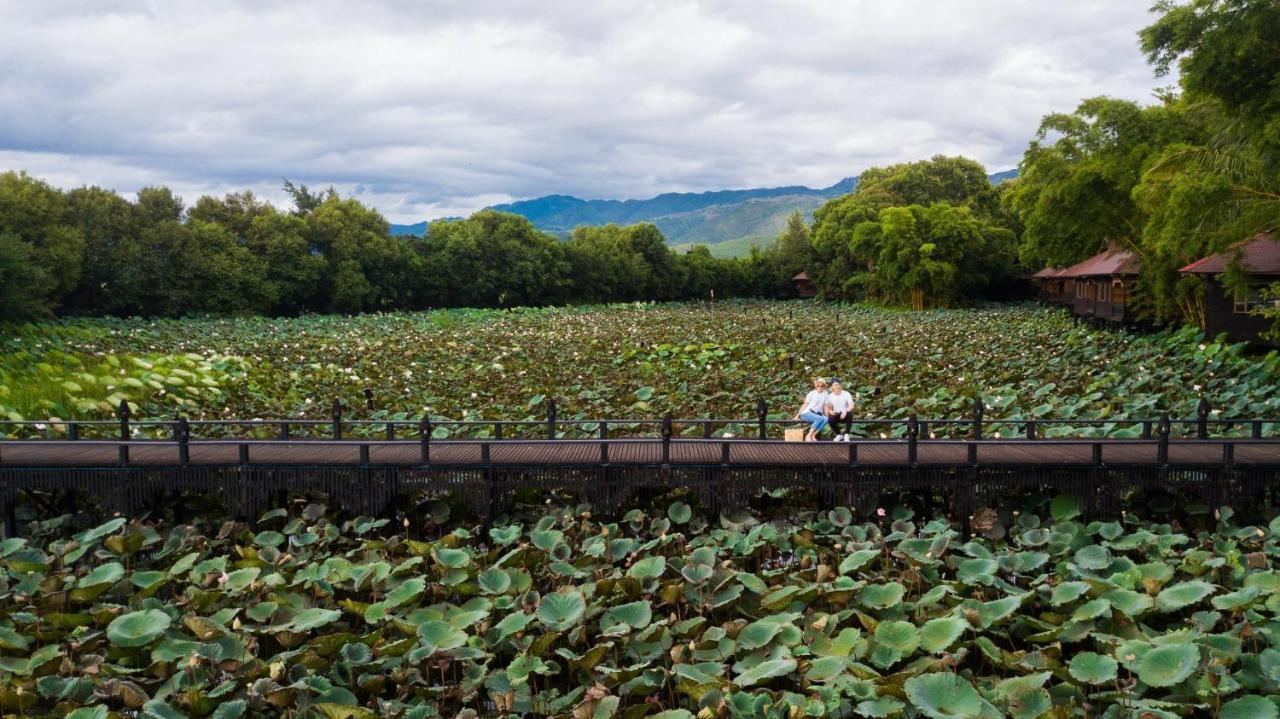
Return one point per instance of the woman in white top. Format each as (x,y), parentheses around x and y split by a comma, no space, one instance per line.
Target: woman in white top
(840,409)
(813,410)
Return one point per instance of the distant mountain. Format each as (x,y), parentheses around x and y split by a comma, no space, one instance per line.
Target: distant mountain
(728,221)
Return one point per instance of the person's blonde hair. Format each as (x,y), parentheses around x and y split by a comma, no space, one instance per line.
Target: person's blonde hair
(820,380)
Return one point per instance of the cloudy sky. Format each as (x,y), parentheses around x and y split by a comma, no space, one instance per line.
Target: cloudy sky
(425,109)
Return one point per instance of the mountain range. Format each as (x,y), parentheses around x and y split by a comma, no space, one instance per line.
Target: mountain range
(727,221)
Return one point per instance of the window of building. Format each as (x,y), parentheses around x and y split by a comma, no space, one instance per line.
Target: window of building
(1119,294)
(1248,300)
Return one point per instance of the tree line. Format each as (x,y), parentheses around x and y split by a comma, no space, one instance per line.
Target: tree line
(90,251)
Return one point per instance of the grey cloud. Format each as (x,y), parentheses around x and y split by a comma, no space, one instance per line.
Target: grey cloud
(424,109)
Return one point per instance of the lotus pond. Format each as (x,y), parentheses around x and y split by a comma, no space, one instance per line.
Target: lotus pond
(626,361)
(664,613)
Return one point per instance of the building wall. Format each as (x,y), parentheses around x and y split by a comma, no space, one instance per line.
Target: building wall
(1220,316)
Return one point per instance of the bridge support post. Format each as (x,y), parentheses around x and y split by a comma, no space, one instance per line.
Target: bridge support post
(337,418)
(424,439)
(1202,418)
(913,436)
(551,418)
(666,440)
(762,415)
(183,431)
(1162,449)
(125,434)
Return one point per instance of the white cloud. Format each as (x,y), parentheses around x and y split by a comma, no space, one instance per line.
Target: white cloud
(424,109)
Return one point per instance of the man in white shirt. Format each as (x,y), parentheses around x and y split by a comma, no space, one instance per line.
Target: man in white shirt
(839,409)
(813,410)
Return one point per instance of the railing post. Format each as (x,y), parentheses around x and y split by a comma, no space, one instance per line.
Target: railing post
(977,418)
(1162,449)
(762,414)
(1202,418)
(73,431)
(391,431)
(913,436)
(364,455)
(337,418)
(1031,429)
(244,454)
(551,418)
(604,442)
(724,453)
(666,439)
(368,398)
(424,439)
(1229,453)
(1097,453)
(125,435)
(1256,429)
(284,430)
(706,429)
(497,430)
(182,430)
(1146,429)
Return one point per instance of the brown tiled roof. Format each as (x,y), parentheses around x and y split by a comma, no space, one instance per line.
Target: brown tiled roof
(800,276)
(1110,262)
(1047,272)
(1259,255)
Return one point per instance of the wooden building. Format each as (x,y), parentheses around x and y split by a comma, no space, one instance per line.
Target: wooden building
(804,285)
(1049,284)
(1235,312)
(1099,287)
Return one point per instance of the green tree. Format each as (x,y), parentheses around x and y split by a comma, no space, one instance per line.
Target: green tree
(33,217)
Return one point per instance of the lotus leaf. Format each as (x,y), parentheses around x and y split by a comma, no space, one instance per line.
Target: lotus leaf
(137,629)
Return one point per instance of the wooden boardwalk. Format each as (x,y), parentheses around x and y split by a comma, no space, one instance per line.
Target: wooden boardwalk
(637,452)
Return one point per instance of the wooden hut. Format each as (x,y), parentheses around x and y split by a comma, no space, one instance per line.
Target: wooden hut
(1099,287)
(1049,284)
(1235,312)
(804,285)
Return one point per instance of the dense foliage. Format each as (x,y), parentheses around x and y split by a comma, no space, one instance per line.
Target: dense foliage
(661,614)
(1192,175)
(89,251)
(628,361)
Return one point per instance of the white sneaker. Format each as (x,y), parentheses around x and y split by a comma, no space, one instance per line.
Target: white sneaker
(847,438)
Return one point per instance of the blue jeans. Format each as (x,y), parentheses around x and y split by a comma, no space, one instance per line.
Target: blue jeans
(817,421)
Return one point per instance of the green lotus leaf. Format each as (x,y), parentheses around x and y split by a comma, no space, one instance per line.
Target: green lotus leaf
(494,581)
(679,512)
(440,636)
(451,558)
(696,573)
(561,610)
(857,560)
(765,670)
(240,579)
(937,635)
(106,574)
(1128,602)
(672,714)
(900,636)
(230,710)
(824,669)
(137,629)
(880,708)
(1236,600)
(513,623)
(1182,595)
(977,571)
(98,711)
(995,611)
(1092,668)
(1091,609)
(943,695)
(1064,507)
(882,596)
(648,567)
(10,639)
(1093,557)
(1068,592)
(1167,665)
(505,536)
(636,615)
(758,633)
(1249,707)
(308,619)
(546,539)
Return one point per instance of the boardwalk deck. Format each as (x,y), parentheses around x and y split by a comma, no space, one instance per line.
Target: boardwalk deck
(374,476)
(557,453)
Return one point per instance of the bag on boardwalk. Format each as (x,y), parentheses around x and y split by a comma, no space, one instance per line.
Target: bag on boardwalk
(793,435)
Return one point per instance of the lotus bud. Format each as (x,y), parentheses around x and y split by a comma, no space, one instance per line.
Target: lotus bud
(406,522)
(706,713)
(604,530)
(235,624)
(795,712)
(677,653)
(673,618)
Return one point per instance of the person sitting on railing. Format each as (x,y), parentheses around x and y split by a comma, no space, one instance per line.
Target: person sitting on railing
(840,409)
(813,410)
